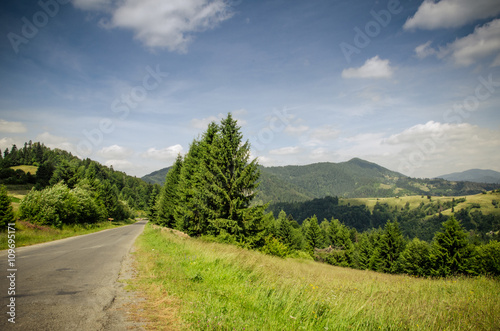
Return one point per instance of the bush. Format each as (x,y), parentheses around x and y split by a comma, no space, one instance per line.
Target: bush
(59,205)
(275,247)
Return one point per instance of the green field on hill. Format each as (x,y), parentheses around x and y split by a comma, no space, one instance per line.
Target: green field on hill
(478,201)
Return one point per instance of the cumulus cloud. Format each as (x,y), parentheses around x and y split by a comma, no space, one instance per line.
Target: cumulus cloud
(482,43)
(115,152)
(12,127)
(162,24)
(322,135)
(285,150)
(373,68)
(165,154)
(434,148)
(52,141)
(451,13)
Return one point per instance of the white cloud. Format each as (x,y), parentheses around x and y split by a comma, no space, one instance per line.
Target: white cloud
(285,150)
(166,24)
(204,122)
(451,13)
(425,50)
(482,43)
(296,130)
(115,152)
(7,142)
(12,127)
(52,141)
(322,135)
(373,68)
(434,148)
(165,154)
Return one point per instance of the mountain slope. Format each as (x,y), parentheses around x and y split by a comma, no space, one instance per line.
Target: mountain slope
(474,175)
(352,179)
(156,177)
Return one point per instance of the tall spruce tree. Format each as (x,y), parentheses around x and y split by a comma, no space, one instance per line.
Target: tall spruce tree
(169,198)
(451,249)
(230,184)
(392,243)
(313,235)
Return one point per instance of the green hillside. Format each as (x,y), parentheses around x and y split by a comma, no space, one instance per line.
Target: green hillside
(352,179)
(156,177)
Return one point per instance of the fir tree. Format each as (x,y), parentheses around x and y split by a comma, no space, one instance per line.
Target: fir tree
(451,248)
(390,247)
(313,235)
(169,198)
(285,229)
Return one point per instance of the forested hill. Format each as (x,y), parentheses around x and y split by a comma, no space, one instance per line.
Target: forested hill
(352,179)
(36,165)
(156,177)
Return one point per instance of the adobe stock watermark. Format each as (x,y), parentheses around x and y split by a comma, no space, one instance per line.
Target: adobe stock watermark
(455,115)
(30,28)
(363,38)
(277,123)
(121,107)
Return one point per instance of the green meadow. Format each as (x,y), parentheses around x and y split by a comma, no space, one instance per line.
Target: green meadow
(191,284)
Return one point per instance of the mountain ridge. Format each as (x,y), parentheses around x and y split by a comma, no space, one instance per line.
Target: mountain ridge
(474,175)
(356,178)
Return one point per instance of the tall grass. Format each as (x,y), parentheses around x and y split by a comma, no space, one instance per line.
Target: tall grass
(29,234)
(192,284)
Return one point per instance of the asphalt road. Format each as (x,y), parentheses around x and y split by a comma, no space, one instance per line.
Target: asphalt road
(68,284)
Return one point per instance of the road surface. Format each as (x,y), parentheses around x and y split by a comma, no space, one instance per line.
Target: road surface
(68,284)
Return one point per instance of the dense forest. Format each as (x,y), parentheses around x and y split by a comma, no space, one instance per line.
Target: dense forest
(422,221)
(66,189)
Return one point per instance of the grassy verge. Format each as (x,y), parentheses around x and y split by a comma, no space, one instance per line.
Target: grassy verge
(195,285)
(29,234)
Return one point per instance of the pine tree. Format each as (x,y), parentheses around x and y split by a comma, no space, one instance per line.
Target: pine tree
(451,248)
(6,213)
(313,235)
(416,258)
(285,229)
(391,245)
(230,180)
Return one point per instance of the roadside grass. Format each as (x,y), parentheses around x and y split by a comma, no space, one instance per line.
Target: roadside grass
(195,285)
(30,234)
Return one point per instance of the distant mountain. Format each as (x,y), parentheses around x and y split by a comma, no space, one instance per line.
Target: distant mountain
(156,177)
(352,179)
(474,175)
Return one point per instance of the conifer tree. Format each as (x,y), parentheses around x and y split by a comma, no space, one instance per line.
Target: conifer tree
(416,258)
(451,249)
(169,198)
(391,245)
(6,213)
(285,229)
(230,183)
(313,235)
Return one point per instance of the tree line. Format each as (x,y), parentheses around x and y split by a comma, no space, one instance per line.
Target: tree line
(422,221)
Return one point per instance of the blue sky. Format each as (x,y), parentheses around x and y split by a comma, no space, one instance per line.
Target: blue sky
(413,86)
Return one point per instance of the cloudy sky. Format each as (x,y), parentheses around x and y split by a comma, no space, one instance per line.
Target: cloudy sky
(413,86)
